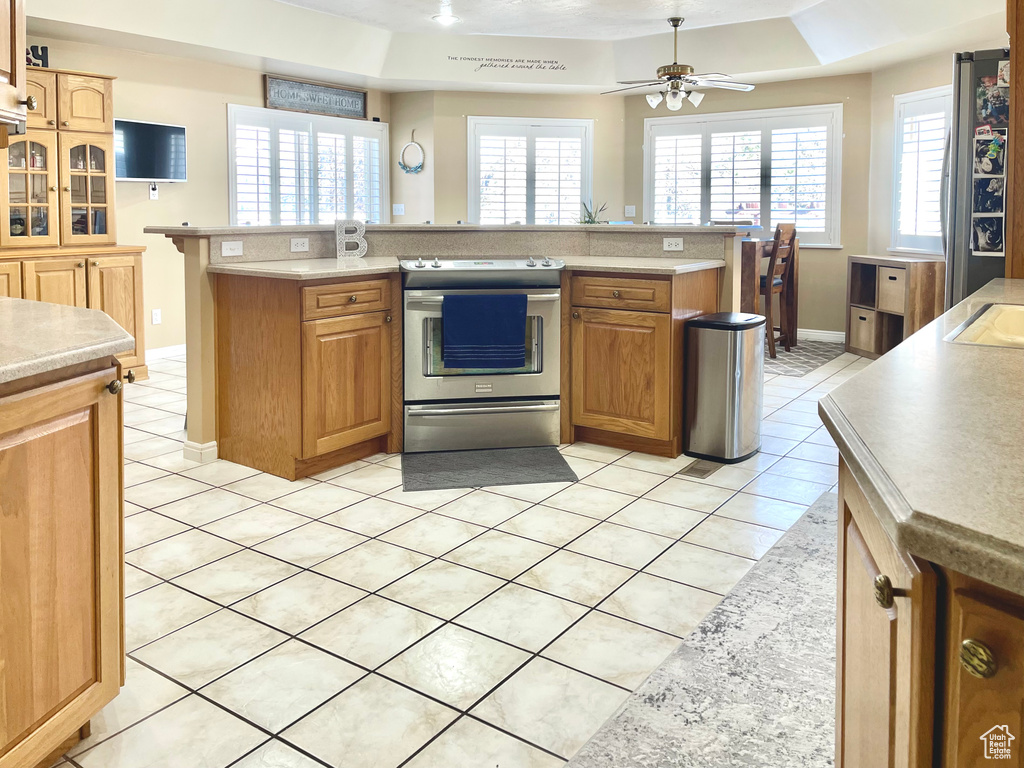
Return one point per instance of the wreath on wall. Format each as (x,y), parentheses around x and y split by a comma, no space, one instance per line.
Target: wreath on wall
(417,166)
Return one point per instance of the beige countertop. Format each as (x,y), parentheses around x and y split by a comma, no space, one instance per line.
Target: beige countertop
(39,337)
(319,269)
(934,432)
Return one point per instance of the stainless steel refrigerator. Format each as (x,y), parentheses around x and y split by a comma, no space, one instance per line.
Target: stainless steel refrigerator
(974,171)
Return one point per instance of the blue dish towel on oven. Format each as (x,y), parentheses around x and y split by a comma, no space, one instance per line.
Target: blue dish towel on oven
(484,331)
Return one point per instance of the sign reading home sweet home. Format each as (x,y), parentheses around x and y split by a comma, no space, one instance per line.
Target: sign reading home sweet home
(316,98)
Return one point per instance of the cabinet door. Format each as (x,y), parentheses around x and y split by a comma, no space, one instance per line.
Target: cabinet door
(87,189)
(620,371)
(60,563)
(115,287)
(56,281)
(346,381)
(10,279)
(28,192)
(886,655)
(43,86)
(983,714)
(85,103)
(12,61)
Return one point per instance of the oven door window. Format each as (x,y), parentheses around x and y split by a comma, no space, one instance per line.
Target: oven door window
(433,356)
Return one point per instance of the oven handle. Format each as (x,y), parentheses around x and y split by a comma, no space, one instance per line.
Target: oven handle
(437,300)
(472,411)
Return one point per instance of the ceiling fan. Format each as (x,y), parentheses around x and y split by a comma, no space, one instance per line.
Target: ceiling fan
(681,83)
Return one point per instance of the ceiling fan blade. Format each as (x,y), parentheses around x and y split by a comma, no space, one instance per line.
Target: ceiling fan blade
(727,85)
(630,88)
(712,76)
(638,82)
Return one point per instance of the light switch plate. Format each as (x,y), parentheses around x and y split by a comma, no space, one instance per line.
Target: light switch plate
(157,317)
(300,244)
(398,209)
(630,211)
(673,243)
(231,248)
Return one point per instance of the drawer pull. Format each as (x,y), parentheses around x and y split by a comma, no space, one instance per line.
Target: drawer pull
(615,294)
(131,376)
(80,264)
(387,319)
(861,317)
(575,315)
(115,387)
(31,102)
(884,594)
(976,658)
(892,277)
(352,299)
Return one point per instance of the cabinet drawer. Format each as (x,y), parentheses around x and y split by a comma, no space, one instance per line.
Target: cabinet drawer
(892,289)
(321,301)
(622,293)
(864,329)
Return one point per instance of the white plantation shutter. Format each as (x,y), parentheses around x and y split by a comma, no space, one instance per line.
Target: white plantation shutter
(922,122)
(291,168)
(529,171)
(677,179)
(765,166)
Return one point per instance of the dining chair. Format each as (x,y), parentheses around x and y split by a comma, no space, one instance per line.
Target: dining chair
(777,282)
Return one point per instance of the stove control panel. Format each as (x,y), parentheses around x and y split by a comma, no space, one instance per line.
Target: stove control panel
(482,265)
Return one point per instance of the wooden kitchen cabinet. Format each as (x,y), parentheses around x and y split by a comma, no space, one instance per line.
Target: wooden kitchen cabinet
(55,281)
(29,213)
(296,397)
(85,102)
(12,62)
(42,84)
(87,189)
(115,287)
(346,381)
(10,279)
(620,371)
(60,562)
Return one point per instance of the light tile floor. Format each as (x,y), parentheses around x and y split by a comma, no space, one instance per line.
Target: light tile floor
(340,621)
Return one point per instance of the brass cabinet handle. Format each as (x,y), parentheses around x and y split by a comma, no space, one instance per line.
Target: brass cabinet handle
(65,123)
(67,189)
(115,387)
(51,122)
(53,189)
(352,299)
(883,591)
(976,658)
(95,263)
(575,315)
(615,294)
(31,102)
(131,376)
(81,264)
(387,319)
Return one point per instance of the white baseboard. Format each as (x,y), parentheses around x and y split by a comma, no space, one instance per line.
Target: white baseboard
(809,334)
(204,453)
(162,353)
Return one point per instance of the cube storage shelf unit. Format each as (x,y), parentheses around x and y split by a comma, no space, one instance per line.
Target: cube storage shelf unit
(889,298)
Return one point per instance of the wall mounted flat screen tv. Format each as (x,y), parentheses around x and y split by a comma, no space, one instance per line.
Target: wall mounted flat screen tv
(149,151)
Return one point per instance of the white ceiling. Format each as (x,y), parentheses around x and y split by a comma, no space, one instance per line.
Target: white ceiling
(583,19)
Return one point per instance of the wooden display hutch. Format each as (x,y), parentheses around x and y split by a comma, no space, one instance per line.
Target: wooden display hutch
(57,217)
(889,298)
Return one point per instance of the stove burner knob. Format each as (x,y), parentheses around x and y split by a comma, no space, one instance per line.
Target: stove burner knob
(436,264)
(530,262)
(547,263)
(419,263)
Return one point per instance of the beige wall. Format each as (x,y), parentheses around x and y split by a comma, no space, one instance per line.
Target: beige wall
(822,271)
(186,92)
(412,114)
(449,152)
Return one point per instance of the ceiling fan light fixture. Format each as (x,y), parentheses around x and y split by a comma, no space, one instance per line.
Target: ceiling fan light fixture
(654,99)
(696,97)
(674,99)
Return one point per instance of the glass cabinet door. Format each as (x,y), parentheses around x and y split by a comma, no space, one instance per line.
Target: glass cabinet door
(87,175)
(30,191)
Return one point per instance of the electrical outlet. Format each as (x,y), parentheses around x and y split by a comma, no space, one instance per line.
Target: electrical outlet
(300,244)
(157,317)
(398,209)
(231,248)
(630,211)
(673,243)
(154,192)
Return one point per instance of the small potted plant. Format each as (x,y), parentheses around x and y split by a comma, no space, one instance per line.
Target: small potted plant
(592,215)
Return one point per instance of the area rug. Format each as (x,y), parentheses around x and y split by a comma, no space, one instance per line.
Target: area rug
(441,470)
(803,358)
(754,683)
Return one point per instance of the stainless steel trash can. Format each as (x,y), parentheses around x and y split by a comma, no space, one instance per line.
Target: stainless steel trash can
(724,386)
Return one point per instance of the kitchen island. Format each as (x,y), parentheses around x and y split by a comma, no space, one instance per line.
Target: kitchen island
(61,596)
(931,549)
(653,294)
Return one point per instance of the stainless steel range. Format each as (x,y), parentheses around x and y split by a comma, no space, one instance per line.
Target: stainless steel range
(457,409)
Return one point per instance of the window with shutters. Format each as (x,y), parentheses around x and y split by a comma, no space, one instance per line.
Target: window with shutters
(529,171)
(922,121)
(294,168)
(758,168)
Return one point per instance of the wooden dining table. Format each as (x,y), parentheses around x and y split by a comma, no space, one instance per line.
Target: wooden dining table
(752,252)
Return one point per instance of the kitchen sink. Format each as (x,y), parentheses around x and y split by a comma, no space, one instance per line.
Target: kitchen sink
(994,325)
